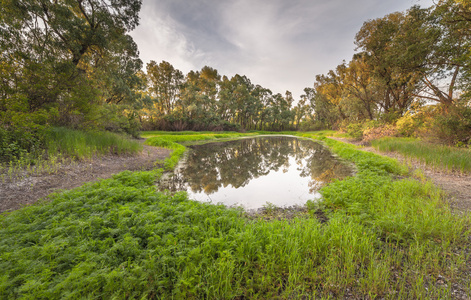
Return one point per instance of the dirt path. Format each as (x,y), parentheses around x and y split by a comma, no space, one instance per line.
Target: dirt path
(456,185)
(16,194)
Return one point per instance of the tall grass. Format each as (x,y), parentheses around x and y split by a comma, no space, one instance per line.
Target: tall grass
(86,144)
(434,155)
(120,238)
(63,145)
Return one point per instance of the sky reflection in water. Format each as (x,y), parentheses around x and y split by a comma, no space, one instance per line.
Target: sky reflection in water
(283,171)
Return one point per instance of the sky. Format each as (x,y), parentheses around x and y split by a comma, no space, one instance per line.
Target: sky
(279,44)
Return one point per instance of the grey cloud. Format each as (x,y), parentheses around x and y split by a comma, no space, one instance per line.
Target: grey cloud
(280,44)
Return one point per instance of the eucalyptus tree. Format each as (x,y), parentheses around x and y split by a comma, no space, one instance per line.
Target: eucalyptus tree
(302,110)
(454,16)
(242,98)
(199,95)
(225,107)
(420,53)
(164,84)
(359,84)
(328,98)
(68,54)
(380,40)
(287,115)
(262,101)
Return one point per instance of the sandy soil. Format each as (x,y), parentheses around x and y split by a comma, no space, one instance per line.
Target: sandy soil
(456,185)
(19,193)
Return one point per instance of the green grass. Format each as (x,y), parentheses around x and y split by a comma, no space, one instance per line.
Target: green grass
(176,140)
(86,144)
(120,238)
(433,155)
(62,145)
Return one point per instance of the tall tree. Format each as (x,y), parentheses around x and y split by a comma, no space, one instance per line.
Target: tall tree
(379,39)
(64,52)
(164,84)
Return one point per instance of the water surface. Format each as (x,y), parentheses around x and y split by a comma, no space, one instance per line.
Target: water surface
(283,171)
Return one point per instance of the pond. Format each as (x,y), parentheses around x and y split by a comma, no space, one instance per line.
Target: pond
(280,170)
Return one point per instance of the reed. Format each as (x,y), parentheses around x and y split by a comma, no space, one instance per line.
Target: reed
(433,155)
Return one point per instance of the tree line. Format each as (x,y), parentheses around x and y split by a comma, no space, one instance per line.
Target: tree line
(205,100)
(74,64)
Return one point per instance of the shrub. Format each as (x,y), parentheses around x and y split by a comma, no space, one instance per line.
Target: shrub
(379,132)
(452,125)
(113,118)
(406,125)
(16,143)
(311,125)
(355,130)
(21,131)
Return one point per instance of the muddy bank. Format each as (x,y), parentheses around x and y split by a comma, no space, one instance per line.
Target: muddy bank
(26,191)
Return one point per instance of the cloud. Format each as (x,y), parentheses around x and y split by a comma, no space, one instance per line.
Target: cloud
(280,44)
(160,37)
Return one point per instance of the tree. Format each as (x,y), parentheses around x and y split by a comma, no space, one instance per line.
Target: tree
(382,42)
(164,84)
(328,93)
(360,85)
(63,53)
(421,53)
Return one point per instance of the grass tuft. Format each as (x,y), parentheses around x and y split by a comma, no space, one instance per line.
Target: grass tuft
(63,145)
(433,155)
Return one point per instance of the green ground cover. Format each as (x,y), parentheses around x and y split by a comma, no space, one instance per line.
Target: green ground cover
(387,236)
(434,155)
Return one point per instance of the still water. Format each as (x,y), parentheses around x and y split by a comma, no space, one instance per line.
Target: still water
(283,171)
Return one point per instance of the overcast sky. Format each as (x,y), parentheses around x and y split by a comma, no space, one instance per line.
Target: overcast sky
(279,44)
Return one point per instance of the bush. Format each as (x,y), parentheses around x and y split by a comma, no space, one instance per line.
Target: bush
(17,143)
(355,130)
(311,125)
(379,132)
(407,125)
(174,122)
(22,132)
(452,125)
(366,130)
(115,119)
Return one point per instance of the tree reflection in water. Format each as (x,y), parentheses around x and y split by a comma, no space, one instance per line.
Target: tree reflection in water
(274,167)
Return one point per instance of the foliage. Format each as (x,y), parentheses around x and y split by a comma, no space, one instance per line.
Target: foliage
(117,118)
(61,63)
(404,56)
(16,143)
(380,131)
(407,125)
(120,238)
(452,126)
(202,100)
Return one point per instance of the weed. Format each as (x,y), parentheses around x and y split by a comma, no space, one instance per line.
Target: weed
(120,238)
